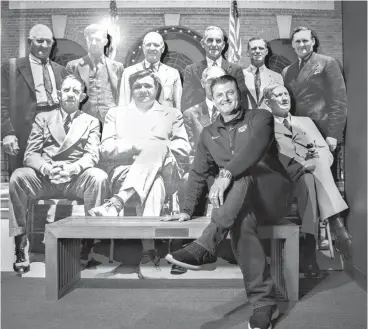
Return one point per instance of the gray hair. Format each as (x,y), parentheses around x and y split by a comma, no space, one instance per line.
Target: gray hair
(268,91)
(209,28)
(95,28)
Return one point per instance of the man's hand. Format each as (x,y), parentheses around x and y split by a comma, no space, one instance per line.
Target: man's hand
(63,172)
(10,145)
(312,153)
(181,217)
(217,191)
(332,143)
(309,168)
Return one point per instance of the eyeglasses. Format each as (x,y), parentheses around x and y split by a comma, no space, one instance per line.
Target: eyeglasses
(40,41)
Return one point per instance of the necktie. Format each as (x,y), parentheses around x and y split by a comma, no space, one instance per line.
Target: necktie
(67,123)
(257,83)
(152,68)
(214,63)
(214,114)
(301,64)
(47,82)
(287,125)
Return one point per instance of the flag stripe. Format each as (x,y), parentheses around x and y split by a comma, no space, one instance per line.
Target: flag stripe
(234,33)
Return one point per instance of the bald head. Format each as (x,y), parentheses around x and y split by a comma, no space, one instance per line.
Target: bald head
(208,75)
(40,41)
(153,47)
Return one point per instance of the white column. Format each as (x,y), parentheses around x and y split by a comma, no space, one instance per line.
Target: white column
(58,25)
(284,24)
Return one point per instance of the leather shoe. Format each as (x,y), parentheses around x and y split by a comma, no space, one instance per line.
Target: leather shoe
(177,270)
(343,241)
(21,264)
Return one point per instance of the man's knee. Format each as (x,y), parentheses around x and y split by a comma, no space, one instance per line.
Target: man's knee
(21,175)
(97,176)
(307,182)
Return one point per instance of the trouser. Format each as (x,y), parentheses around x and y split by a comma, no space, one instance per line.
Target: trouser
(27,184)
(238,215)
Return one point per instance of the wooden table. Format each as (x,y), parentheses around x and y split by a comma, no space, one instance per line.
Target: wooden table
(63,246)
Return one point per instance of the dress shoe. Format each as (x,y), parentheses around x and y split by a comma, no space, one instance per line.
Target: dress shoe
(21,264)
(310,268)
(107,209)
(343,241)
(177,270)
(262,317)
(86,255)
(193,257)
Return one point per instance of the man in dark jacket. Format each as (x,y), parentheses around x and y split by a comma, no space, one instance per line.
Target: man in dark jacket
(28,87)
(251,186)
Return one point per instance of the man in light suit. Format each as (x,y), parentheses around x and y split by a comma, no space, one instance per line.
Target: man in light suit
(28,87)
(101,75)
(317,87)
(61,153)
(213,43)
(143,146)
(203,114)
(257,76)
(307,159)
(171,89)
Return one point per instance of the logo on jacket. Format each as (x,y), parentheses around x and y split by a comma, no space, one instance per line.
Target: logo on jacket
(242,128)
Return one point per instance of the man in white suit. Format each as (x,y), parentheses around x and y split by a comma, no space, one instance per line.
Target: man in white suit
(307,159)
(171,89)
(62,151)
(257,76)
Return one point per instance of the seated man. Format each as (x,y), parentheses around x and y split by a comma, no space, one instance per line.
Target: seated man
(61,153)
(251,187)
(307,159)
(143,144)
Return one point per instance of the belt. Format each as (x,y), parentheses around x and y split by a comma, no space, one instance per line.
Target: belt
(46,107)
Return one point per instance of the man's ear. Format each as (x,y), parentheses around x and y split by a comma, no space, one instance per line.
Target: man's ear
(248,53)
(58,93)
(29,40)
(267,102)
(313,41)
(202,43)
(82,97)
(202,83)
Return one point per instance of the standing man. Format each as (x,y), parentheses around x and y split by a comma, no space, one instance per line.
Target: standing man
(317,87)
(28,87)
(251,187)
(101,75)
(257,75)
(308,167)
(59,162)
(213,43)
(203,114)
(153,47)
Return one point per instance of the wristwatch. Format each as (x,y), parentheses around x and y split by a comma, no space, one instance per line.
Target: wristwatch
(225,174)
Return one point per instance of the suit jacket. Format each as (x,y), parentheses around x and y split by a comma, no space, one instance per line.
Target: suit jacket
(268,77)
(81,68)
(195,119)
(18,119)
(193,92)
(171,88)
(121,129)
(319,92)
(304,131)
(48,142)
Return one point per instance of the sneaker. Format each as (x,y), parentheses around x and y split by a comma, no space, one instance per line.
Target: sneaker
(107,209)
(21,264)
(262,317)
(193,257)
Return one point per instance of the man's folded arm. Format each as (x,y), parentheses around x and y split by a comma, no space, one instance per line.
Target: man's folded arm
(262,134)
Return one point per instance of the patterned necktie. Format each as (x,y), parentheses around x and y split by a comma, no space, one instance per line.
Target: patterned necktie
(287,125)
(257,83)
(214,114)
(214,63)
(47,82)
(67,123)
(152,68)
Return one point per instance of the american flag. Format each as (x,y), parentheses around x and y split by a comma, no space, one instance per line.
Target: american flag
(113,30)
(235,47)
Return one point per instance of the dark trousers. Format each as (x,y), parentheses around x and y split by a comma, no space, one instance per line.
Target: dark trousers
(25,183)
(238,216)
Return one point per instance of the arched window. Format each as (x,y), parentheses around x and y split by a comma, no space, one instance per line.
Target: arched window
(66,50)
(281,54)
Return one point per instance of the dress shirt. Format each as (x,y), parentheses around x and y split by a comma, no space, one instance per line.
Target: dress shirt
(305,59)
(148,64)
(281,119)
(36,68)
(210,61)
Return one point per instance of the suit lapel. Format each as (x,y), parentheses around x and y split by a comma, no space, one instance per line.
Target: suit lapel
(56,128)
(83,70)
(111,71)
(249,82)
(204,116)
(281,129)
(77,129)
(57,74)
(307,69)
(201,66)
(26,71)
(162,71)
